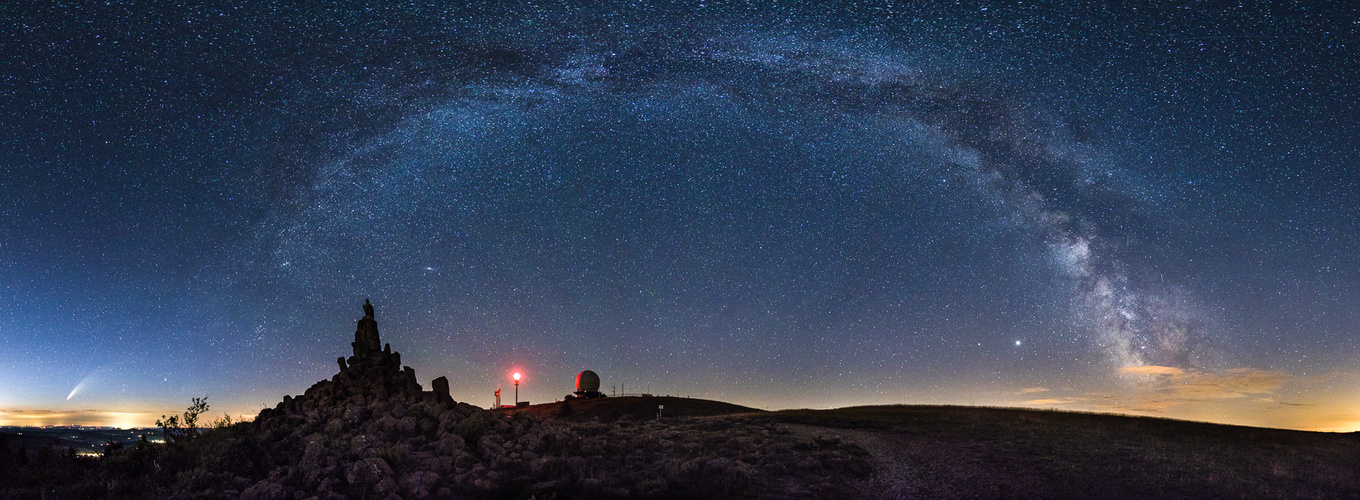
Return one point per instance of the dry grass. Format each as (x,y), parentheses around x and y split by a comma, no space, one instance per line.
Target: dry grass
(953,452)
(603,449)
(637,408)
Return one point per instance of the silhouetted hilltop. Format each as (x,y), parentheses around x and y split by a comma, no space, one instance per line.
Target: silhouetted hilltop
(971,452)
(372,375)
(634,407)
(32,440)
(82,439)
(371,431)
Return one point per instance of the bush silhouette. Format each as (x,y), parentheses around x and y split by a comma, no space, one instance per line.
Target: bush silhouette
(177,430)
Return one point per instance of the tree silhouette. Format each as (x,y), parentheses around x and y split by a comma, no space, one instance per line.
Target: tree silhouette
(186,429)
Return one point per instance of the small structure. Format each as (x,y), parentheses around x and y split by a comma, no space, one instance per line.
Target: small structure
(588,385)
(517,377)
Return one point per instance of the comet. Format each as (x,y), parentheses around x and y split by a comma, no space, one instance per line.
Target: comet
(81,384)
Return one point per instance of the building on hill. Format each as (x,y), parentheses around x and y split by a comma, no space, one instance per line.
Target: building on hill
(587,386)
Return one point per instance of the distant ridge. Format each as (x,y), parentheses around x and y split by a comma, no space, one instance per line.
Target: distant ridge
(634,407)
(371,431)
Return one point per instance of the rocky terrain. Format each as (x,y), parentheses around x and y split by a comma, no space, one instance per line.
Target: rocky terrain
(372,432)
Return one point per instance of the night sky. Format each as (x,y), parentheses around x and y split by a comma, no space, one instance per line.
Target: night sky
(775,204)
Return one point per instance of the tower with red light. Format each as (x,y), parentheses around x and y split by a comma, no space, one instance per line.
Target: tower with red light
(516,376)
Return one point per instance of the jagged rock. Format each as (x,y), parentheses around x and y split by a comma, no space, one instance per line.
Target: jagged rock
(373,373)
(366,338)
(371,432)
(440,386)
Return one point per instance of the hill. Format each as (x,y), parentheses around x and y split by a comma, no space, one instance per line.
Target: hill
(371,431)
(631,407)
(82,440)
(956,452)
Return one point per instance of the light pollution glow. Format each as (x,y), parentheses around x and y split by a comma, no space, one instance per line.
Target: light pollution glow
(784,204)
(1242,396)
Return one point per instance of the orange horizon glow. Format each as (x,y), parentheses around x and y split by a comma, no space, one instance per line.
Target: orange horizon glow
(1329,418)
(93,418)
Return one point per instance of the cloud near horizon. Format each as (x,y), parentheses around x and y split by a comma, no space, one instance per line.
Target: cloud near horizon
(1151,370)
(1048,401)
(1161,387)
(93,418)
(1156,388)
(1242,396)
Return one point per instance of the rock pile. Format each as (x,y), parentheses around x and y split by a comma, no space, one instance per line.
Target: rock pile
(373,373)
(372,432)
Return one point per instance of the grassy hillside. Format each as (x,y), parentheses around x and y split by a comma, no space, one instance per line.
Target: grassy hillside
(617,448)
(955,452)
(958,451)
(633,407)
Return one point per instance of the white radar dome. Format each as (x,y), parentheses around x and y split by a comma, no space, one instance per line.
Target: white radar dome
(587,381)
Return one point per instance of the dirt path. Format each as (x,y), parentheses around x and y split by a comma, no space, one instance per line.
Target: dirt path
(913,466)
(892,479)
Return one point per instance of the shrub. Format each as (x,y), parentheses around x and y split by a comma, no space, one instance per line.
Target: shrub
(177,430)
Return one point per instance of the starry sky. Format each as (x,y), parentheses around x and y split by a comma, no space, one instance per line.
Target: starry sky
(1077,206)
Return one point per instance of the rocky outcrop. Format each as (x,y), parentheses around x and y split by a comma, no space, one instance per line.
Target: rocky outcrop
(371,432)
(371,374)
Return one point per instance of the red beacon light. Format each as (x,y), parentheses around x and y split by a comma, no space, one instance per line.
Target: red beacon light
(517,376)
